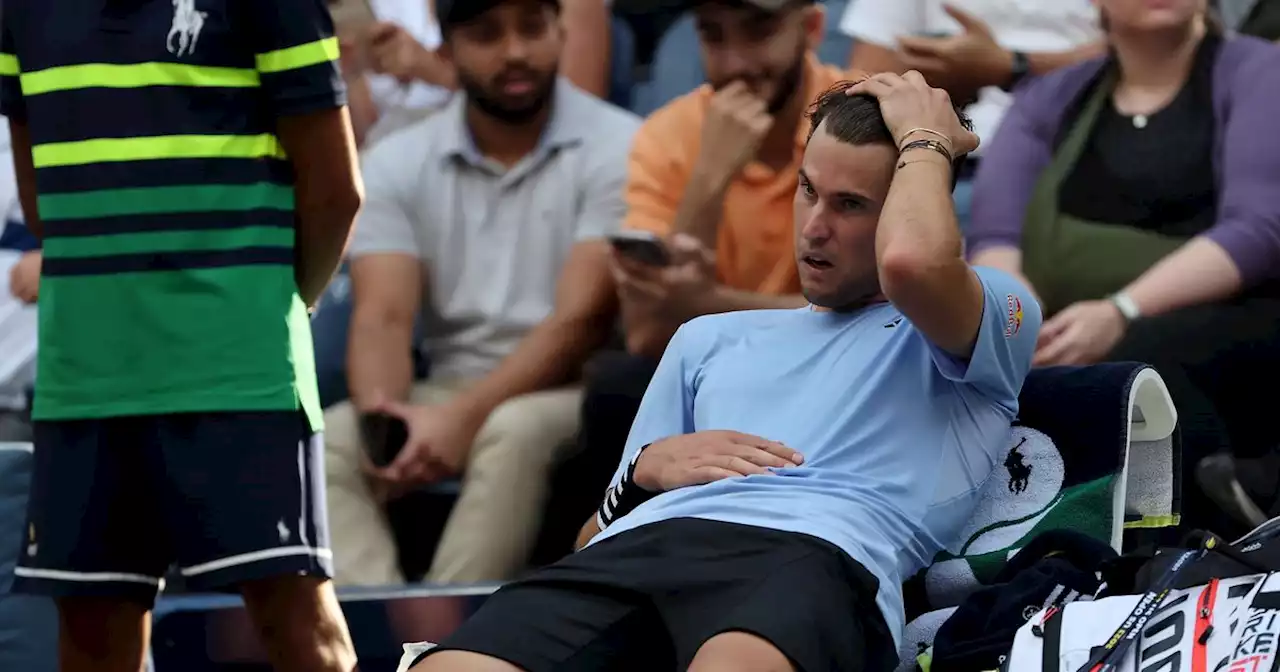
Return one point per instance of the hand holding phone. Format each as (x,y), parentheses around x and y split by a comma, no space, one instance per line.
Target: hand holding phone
(384,436)
(641,246)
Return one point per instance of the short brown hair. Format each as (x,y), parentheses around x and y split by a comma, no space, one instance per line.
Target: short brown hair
(856,120)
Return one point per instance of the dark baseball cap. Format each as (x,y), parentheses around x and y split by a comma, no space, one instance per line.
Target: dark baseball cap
(452,12)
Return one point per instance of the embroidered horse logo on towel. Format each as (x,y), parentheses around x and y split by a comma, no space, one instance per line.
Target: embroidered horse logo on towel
(185,32)
(1019,470)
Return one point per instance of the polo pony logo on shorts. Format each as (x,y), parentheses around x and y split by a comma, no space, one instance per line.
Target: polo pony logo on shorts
(185,31)
(1013,322)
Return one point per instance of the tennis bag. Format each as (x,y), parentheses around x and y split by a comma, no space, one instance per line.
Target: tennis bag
(1229,621)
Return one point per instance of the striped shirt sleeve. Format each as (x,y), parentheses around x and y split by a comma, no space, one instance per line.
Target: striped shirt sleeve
(11,103)
(296,54)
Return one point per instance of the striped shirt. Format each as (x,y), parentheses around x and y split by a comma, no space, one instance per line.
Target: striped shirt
(166,199)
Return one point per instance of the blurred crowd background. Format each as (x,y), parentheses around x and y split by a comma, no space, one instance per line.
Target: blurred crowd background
(480,285)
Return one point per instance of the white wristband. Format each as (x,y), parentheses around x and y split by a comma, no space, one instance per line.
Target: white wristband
(1126,305)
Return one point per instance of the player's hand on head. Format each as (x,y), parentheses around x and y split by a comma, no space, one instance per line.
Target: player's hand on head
(703,457)
(913,110)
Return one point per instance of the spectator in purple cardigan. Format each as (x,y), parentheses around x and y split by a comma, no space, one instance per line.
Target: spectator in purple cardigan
(1138,195)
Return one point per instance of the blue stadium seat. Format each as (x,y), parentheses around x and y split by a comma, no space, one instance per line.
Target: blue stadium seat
(330,327)
(835,45)
(622,62)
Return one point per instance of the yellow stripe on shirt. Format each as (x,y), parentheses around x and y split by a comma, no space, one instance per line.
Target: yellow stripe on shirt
(104,150)
(301,56)
(137,75)
(9,65)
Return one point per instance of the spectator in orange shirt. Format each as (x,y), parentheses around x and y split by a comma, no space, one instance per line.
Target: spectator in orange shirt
(714,173)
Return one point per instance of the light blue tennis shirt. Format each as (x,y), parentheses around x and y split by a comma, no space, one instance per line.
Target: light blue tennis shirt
(897,435)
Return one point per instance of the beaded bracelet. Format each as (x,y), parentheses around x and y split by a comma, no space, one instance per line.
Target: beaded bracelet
(920,129)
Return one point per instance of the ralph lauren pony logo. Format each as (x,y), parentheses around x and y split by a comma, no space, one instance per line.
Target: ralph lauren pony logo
(185,31)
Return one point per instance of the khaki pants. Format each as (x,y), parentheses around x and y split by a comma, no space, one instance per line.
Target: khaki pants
(495,522)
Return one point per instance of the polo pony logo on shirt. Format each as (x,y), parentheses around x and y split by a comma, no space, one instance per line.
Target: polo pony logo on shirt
(185,31)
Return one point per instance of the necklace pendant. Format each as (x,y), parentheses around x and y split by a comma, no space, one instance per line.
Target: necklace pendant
(1139,121)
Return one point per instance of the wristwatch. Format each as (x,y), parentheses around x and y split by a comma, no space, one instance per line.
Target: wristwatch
(1126,305)
(1019,70)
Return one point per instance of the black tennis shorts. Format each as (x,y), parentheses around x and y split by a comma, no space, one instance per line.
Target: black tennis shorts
(648,598)
(229,497)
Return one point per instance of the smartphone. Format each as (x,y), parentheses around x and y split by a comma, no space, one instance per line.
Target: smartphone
(351,16)
(641,246)
(383,436)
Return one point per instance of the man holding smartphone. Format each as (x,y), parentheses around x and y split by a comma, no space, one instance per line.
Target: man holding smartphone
(190,169)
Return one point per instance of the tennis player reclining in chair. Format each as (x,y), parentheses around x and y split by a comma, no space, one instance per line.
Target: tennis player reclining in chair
(789,468)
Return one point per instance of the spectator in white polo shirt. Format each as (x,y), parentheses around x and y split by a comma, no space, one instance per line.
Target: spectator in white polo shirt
(977,50)
(406,77)
(487,218)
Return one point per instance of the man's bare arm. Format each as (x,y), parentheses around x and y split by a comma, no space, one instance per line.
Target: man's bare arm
(586,49)
(697,214)
(360,105)
(554,351)
(874,59)
(328,191)
(918,253)
(386,293)
(24,169)
(587,533)
(646,334)
(701,209)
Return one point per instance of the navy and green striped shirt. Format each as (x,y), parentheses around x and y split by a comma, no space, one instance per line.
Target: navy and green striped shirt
(166,199)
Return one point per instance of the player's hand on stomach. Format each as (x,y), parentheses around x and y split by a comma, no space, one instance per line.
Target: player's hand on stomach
(439,441)
(702,457)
